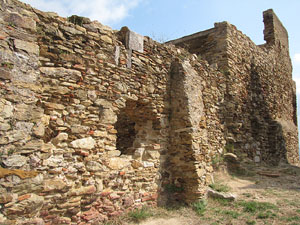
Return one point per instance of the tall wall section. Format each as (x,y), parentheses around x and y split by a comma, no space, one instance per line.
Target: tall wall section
(92,122)
(260,98)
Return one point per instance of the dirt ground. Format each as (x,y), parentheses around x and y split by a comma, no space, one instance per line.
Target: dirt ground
(265,195)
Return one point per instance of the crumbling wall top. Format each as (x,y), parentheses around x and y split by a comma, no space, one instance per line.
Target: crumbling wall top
(274,32)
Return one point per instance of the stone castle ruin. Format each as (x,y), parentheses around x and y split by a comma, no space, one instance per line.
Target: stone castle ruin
(95,122)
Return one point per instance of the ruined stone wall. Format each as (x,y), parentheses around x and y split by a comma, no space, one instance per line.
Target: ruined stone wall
(88,125)
(95,122)
(259,108)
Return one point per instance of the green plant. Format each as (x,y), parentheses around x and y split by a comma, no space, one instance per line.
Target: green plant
(293,218)
(11,24)
(138,215)
(223,202)
(217,160)
(250,222)
(266,215)
(200,207)
(229,147)
(220,187)
(10,152)
(253,207)
(231,213)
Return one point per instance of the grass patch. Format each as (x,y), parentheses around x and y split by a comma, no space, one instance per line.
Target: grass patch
(223,202)
(266,215)
(220,187)
(253,207)
(231,213)
(292,218)
(250,222)
(138,215)
(199,207)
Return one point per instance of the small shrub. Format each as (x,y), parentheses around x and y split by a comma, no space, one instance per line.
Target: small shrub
(220,187)
(200,207)
(138,215)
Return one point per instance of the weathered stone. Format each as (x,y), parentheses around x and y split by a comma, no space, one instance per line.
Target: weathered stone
(29,47)
(117,163)
(6,109)
(77,129)
(178,109)
(21,21)
(114,153)
(70,30)
(15,161)
(5,74)
(54,161)
(94,166)
(32,146)
(4,126)
(54,185)
(28,112)
(27,208)
(39,130)
(84,143)
(108,116)
(83,191)
(14,136)
(61,72)
(54,106)
(215,194)
(106,39)
(60,138)
(134,41)
(5,198)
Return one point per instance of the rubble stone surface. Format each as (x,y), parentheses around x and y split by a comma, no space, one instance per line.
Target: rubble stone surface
(93,125)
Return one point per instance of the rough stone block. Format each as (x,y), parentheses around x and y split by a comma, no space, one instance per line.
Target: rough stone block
(134,41)
(29,47)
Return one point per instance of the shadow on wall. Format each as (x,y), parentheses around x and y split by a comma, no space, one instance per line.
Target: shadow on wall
(272,150)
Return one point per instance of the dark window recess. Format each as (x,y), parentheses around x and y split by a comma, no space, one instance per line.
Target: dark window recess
(126,134)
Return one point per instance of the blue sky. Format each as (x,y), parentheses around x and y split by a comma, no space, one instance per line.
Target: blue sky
(169,19)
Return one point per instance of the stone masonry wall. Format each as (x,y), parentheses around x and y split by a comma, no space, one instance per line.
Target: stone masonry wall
(87,120)
(96,122)
(260,96)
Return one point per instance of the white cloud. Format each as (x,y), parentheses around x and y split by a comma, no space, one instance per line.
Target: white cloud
(105,11)
(296,58)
